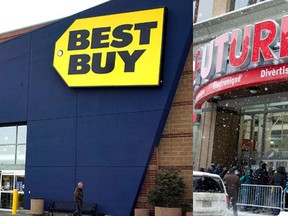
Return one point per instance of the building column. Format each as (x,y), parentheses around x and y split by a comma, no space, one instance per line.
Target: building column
(206,136)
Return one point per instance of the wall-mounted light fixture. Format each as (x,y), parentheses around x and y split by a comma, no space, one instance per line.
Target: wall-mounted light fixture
(253,90)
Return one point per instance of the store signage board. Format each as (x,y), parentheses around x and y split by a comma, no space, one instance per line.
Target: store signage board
(258,54)
(114,50)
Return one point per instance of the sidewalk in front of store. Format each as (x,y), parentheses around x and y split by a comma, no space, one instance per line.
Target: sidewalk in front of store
(19,213)
(9,213)
(254,214)
(240,213)
(27,213)
(267,212)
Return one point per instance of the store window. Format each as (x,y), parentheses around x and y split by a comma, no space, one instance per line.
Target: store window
(11,180)
(239,4)
(251,136)
(12,164)
(201,10)
(264,134)
(13,145)
(276,135)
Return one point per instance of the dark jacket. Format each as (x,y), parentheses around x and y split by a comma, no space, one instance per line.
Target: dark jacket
(261,176)
(280,177)
(232,183)
(78,195)
(223,173)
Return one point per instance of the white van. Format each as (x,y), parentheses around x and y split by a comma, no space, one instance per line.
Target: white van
(209,195)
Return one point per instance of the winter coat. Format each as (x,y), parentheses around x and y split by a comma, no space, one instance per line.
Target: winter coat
(261,177)
(78,195)
(223,173)
(232,183)
(218,169)
(280,177)
(246,179)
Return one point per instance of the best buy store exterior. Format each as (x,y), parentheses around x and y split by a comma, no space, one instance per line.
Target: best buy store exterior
(89,98)
(240,87)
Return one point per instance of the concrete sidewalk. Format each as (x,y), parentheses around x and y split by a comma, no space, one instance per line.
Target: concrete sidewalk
(266,212)
(241,213)
(27,213)
(19,213)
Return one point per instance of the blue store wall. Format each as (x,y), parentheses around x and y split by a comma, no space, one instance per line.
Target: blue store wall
(101,136)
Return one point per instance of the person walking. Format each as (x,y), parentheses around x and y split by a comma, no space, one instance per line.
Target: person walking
(78,198)
(233,184)
(279,179)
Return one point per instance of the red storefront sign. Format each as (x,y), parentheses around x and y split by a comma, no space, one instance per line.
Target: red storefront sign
(239,59)
(270,74)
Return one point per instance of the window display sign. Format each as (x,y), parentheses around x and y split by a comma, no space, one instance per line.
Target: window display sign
(7,183)
(113,50)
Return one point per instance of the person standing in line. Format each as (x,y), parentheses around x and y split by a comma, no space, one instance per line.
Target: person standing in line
(260,178)
(279,179)
(224,172)
(211,169)
(78,198)
(246,180)
(218,169)
(233,184)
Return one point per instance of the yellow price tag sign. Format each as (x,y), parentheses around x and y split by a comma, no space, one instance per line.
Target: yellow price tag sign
(114,50)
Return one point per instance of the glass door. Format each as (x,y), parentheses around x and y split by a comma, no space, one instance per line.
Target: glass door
(276,135)
(20,186)
(276,139)
(9,182)
(250,139)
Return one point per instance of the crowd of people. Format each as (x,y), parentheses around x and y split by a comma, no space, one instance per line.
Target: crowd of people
(234,176)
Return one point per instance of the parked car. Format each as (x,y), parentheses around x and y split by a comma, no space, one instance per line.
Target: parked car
(209,195)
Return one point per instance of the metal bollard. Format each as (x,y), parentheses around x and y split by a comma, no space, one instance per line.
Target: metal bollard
(15,202)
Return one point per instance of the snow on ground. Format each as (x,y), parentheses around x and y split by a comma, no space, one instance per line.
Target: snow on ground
(250,213)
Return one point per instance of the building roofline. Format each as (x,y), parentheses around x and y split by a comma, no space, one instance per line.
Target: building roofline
(5,36)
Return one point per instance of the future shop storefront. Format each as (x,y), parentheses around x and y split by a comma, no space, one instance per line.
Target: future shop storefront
(102,136)
(240,86)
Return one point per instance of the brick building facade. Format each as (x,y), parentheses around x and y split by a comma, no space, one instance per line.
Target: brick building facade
(175,147)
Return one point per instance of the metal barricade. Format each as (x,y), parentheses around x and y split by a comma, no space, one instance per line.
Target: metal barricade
(264,196)
(285,199)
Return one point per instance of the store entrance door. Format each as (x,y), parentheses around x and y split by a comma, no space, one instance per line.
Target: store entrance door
(11,180)
(251,136)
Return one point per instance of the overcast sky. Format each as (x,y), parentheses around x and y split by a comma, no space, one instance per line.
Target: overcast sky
(17,14)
